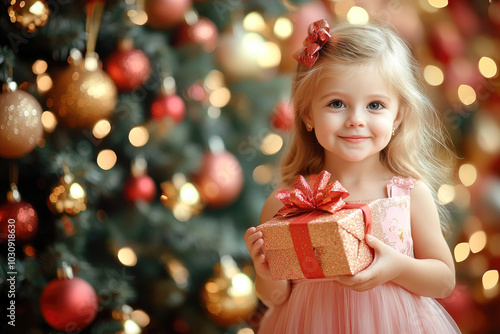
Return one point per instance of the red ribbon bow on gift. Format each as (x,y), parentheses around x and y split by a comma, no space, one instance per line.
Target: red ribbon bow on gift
(315,197)
(318,35)
(317,194)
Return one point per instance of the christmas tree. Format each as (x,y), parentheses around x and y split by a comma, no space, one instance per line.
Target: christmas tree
(139,140)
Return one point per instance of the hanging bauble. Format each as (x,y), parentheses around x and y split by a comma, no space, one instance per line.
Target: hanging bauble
(165,14)
(20,123)
(68,196)
(68,304)
(29,14)
(220,181)
(128,67)
(446,43)
(242,54)
(140,188)
(202,32)
(282,116)
(18,217)
(83,94)
(181,197)
(170,106)
(229,295)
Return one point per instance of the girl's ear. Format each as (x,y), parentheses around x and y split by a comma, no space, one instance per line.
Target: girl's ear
(307,119)
(399,117)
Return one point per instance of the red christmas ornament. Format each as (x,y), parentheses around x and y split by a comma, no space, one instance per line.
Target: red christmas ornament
(139,188)
(168,105)
(165,14)
(446,43)
(202,32)
(282,116)
(68,304)
(19,217)
(128,67)
(220,182)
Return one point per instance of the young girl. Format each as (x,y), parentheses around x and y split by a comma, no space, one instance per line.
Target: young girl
(362,116)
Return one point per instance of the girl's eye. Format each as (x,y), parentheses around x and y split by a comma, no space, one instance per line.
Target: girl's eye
(375,106)
(337,104)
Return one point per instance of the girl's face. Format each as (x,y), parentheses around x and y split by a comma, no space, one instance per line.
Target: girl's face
(353,114)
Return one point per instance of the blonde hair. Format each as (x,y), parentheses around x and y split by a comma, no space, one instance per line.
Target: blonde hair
(419,149)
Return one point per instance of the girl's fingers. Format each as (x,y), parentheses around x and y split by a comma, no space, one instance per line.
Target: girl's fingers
(256,248)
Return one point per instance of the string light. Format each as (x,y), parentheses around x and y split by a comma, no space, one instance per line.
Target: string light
(138,136)
(487,67)
(467,174)
(461,251)
(127,257)
(490,279)
(101,129)
(263,174)
(477,241)
(49,121)
(466,94)
(106,159)
(433,75)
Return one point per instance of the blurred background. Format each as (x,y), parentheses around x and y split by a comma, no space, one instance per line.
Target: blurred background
(139,140)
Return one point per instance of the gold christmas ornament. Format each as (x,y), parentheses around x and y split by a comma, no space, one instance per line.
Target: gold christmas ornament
(68,196)
(83,94)
(29,14)
(20,123)
(229,296)
(181,197)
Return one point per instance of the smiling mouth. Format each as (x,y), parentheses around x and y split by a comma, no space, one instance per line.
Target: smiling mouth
(354,139)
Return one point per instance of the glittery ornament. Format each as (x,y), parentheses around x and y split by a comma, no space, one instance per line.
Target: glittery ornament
(229,295)
(220,181)
(18,216)
(82,96)
(68,304)
(68,196)
(282,116)
(20,123)
(165,14)
(29,14)
(128,67)
(202,32)
(181,197)
(170,106)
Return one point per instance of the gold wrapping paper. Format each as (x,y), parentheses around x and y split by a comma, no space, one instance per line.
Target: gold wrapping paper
(338,240)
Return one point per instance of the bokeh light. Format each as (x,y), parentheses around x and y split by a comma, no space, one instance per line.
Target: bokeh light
(446,194)
(477,241)
(49,121)
(466,94)
(271,144)
(106,159)
(101,129)
(254,22)
(438,3)
(127,256)
(467,174)
(138,136)
(487,67)
(433,75)
(283,28)
(357,15)
(461,251)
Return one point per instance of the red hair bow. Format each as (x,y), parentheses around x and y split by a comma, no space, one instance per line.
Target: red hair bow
(318,35)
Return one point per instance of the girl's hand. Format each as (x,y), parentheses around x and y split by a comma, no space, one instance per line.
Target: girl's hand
(385,267)
(254,243)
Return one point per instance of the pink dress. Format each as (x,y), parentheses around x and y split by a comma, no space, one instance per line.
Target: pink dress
(321,306)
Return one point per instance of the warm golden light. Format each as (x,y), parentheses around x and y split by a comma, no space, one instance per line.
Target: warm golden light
(357,15)
(138,136)
(490,279)
(130,327)
(461,251)
(263,174)
(101,129)
(271,144)
(43,83)
(214,80)
(76,191)
(477,241)
(270,57)
(433,75)
(438,3)
(245,330)
(467,174)
(39,66)
(241,285)
(106,159)
(140,317)
(49,121)
(487,67)
(137,17)
(178,272)
(283,28)
(466,94)
(462,196)
(127,257)
(220,97)
(254,22)
(487,134)
(446,194)
(189,194)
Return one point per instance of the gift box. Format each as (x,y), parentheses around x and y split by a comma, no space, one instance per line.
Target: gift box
(317,234)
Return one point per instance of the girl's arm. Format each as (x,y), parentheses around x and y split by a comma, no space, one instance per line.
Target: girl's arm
(431,273)
(270,292)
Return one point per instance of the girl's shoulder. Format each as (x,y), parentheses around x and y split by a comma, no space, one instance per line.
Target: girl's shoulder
(271,207)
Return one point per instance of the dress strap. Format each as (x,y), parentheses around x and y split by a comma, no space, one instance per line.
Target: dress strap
(399,186)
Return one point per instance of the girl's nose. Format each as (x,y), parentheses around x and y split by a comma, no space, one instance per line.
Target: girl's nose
(355,119)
